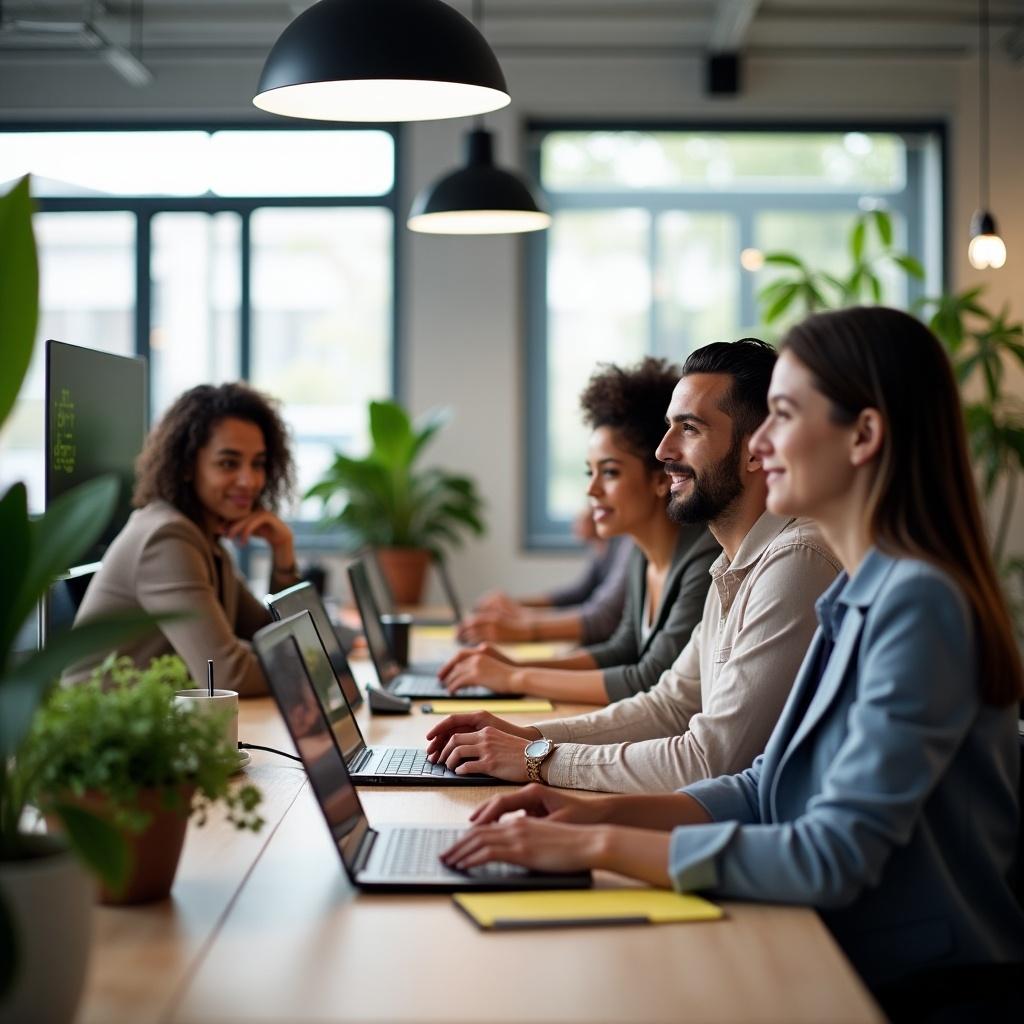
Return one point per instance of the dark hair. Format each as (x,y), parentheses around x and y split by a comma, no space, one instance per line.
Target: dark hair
(749,362)
(165,467)
(923,499)
(632,401)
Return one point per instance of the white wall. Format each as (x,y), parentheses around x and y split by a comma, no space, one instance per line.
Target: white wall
(463,315)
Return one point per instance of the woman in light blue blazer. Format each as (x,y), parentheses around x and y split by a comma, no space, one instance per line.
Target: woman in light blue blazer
(886,796)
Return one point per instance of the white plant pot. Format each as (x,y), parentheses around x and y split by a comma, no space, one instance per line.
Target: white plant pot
(49,899)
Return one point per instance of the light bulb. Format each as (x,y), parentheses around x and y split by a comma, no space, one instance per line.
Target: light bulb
(986,251)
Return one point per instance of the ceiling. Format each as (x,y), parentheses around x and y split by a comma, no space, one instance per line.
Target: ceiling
(161,31)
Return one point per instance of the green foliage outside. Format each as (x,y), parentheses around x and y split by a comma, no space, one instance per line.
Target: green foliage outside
(385,500)
(979,342)
(122,733)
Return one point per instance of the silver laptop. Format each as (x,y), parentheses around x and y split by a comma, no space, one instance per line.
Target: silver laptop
(291,649)
(390,857)
(385,598)
(404,682)
(303,597)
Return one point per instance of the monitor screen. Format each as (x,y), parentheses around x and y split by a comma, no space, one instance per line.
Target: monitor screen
(383,661)
(96,418)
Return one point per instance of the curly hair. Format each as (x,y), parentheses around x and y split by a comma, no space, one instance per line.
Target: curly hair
(632,401)
(164,469)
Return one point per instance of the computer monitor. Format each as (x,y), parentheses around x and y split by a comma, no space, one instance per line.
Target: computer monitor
(96,420)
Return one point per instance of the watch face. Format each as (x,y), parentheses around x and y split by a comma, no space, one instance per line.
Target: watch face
(538,748)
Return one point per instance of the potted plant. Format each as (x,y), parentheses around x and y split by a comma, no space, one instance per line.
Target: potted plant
(120,747)
(385,501)
(45,896)
(979,342)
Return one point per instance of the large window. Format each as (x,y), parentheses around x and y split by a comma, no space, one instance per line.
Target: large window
(652,232)
(265,255)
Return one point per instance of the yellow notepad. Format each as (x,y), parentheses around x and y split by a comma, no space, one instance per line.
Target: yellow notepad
(531,651)
(436,633)
(562,908)
(451,706)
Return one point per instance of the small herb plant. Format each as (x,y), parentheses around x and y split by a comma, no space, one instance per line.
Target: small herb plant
(122,733)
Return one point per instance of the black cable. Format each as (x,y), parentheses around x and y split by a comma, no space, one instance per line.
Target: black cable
(269,750)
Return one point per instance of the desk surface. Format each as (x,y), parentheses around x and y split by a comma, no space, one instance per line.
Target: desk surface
(266,928)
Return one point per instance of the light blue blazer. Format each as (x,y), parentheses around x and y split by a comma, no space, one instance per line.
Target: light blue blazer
(887,795)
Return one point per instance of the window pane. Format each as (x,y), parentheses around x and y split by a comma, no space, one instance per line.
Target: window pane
(697,283)
(196,279)
(321,324)
(297,163)
(599,301)
(723,161)
(87,298)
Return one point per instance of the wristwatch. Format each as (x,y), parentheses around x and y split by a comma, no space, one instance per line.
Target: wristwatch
(536,752)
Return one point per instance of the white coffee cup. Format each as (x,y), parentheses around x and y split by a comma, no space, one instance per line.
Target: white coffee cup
(223,702)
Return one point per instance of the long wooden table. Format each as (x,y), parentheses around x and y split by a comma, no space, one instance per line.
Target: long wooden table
(266,928)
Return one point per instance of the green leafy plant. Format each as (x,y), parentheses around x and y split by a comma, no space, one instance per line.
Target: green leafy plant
(120,734)
(385,500)
(979,342)
(35,550)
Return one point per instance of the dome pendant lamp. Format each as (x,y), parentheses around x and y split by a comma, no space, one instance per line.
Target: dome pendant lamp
(478,199)
(987,248)
(381,60)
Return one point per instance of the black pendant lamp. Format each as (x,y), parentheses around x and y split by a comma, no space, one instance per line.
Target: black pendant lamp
(381,60)
(479,198)
(987,248)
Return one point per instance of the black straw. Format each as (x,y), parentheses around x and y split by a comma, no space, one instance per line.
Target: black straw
(209,675)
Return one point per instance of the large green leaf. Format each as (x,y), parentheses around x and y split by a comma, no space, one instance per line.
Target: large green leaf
(98,843)
(857,237)
(19,293)
(69,527)
(427,427)
(883,224)
(26,684)
(392,434)
(14,529)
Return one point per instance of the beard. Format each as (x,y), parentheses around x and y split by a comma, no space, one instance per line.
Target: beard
(714,491)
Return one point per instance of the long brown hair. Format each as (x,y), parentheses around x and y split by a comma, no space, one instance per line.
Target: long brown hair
(166,465)
(923,499)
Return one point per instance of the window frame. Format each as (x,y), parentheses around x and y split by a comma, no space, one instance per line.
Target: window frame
(308,536)
(541,533)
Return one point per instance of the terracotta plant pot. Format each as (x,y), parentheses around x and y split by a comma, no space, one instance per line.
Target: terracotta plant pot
(406,571)
(154,852)
(48,896)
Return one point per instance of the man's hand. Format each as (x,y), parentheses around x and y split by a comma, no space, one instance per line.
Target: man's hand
(484,626)
(483,665)
(472,721)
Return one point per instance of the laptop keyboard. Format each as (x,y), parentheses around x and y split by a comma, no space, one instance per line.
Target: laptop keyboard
(415,851)
(424,686)
(410,761)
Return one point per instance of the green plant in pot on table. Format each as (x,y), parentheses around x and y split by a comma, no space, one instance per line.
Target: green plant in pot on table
(385,501)
(120,747)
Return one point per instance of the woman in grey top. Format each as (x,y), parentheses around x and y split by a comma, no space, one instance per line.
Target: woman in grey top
(886,796)
(668,577)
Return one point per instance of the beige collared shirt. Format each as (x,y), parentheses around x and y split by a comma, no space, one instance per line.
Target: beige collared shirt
(711,713)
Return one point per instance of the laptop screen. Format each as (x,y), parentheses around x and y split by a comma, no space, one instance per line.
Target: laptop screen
(383,660)
(292,689)
(303,597)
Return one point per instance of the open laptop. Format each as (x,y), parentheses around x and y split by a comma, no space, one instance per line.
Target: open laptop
(303,597)
(291,649)
(382,593)
(389,857)
(411,682)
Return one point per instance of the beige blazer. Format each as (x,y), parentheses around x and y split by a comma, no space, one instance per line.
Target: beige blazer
(161,562)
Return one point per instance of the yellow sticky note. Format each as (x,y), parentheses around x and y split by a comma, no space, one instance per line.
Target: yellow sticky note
(584,907)
(436,633)
(451,706)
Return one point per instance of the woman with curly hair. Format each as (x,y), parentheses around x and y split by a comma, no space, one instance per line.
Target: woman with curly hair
(668,578)
(216,466)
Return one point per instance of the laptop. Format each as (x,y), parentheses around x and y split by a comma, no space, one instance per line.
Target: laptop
(389,858)
(385,598)
(414,681)
(291,649)
(303,597)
